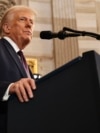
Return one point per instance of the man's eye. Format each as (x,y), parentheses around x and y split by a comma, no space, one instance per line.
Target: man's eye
(22,19)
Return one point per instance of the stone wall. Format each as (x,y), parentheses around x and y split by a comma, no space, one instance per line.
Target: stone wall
(88,19)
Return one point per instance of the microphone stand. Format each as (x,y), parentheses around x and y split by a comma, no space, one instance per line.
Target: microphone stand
(82,33)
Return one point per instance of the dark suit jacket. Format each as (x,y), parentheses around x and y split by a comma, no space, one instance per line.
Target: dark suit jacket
(11,70)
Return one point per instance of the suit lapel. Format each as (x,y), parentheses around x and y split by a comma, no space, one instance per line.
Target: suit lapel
(15,58)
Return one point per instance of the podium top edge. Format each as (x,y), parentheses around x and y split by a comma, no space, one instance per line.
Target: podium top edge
(67,65)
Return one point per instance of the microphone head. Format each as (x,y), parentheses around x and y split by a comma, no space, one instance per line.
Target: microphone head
(50,35)
(46,35)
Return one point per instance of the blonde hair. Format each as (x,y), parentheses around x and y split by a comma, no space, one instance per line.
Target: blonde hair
(9,14)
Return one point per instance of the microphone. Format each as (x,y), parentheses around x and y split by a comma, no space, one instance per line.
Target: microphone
(61,35)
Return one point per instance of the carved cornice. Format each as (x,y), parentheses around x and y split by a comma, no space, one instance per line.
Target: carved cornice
(4,5)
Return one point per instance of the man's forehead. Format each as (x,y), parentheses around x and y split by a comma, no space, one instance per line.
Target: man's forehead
(26,15)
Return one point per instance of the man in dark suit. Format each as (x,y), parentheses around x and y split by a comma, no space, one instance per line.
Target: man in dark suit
(17,27)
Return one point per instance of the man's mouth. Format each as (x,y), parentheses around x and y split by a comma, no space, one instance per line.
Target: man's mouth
(28,32)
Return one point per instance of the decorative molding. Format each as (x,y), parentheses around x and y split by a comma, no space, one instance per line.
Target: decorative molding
(4,5)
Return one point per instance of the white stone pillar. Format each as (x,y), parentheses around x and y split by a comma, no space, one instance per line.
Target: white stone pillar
(64,16)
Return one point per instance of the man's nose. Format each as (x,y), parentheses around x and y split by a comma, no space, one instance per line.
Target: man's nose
(28,23)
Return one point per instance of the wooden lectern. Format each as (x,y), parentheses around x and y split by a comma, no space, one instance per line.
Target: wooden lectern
(67,100)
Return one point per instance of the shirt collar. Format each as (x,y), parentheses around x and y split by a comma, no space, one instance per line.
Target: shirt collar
(13,44)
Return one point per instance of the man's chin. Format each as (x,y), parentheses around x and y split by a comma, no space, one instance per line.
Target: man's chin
(28,39)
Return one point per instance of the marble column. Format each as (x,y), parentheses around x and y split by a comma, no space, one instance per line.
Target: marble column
(64,16)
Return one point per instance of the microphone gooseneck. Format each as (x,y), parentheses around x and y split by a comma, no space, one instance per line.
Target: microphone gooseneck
(63,34)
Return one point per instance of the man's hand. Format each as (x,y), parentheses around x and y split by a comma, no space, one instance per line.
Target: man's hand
(23,89)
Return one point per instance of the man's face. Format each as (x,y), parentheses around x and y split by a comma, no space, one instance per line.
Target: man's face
(21,28)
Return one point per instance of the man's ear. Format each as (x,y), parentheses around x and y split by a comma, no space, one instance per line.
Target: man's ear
(6,28)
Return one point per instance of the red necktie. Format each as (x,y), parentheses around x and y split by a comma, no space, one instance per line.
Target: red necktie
(24,63)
